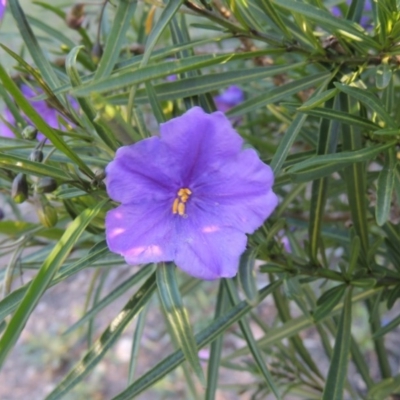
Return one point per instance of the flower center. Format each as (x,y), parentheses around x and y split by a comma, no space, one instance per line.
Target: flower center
(178,206)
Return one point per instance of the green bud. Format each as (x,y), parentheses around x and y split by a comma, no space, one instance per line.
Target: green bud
(29,132)
(97,52)
(36,155)
(100,174)
(46,212)
(45,185)
(19,188)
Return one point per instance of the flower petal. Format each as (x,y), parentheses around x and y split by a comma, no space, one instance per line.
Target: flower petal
(208,251)
(237,193)
(197,139)
(141,233)
(145,171)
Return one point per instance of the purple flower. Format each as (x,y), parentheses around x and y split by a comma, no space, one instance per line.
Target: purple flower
(229,98)
(3,4)
(365,21)
(49,114)
(188,196)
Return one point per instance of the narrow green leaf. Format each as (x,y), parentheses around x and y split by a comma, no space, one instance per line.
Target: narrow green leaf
(278,93)
(387,328)
(385,388)
(270,11)
(295,325)
(19,164)
(248,336)
(137,338)
(116,38)
(177,315)
(216,347)
(171,8)
(385,186)
(155,104)
(316,101)
(286,143)
(344,157)
(370,100)
(246,276)
(116,292)
(205,83)
(325,19)
(126,78)
(105,134)
(40,123)
(383,76)
(204,337)
(11,302)
(32,45)
(328,301)
(106,340)
(43,278)
(337,373)
(327,142)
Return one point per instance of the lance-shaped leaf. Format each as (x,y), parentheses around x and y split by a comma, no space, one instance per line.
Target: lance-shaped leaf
(43,278)
(177,315)
(106,340)
(337,374)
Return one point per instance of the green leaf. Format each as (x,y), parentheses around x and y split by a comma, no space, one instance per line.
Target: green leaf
(385,186)
(40,123)
(204,337)
(318,100)
(248,336)
(370,100)
(337,373)
(326,20)
(327,141)
(387,328)
(116,38)
(205,83)
(344,157)
(295,325)
(32,45)
(286,143)
(177,315)
(343,117)
(216,347)
(106,340)
(328,301)
(11,302)
(43,278)
(126,78)
(383,76)
(246,276)
(19,164)
(171,8)
(278,93)
(385,388)
(116,292)
(105,134)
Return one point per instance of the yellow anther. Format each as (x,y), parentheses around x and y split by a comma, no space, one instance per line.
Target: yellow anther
(181,209)
(178,206)
(175,206)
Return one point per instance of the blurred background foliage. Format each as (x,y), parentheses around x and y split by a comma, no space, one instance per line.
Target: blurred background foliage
(321,84)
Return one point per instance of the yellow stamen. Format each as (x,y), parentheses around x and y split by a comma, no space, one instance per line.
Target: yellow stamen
(175,206)
(178,206)
(181,209)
